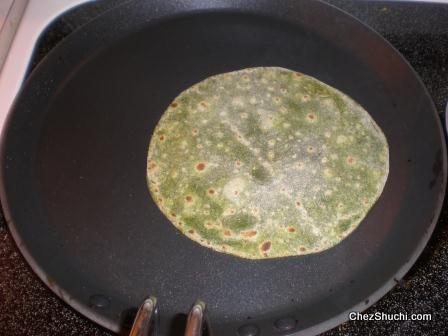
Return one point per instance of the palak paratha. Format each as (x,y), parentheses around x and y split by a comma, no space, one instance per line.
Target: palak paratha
(266,162)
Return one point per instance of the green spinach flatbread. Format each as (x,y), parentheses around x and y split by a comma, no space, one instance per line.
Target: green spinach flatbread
(265,163)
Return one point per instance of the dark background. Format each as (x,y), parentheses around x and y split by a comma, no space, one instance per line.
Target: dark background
(420,32)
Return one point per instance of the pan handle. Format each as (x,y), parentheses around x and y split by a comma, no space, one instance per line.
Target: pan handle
(146,321)
(195,321)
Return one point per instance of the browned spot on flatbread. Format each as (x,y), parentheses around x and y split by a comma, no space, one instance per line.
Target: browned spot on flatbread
(189,199)
(174,105)
(302,249)
(291,229)
(249,233)
(311,117)
(227,233)
(162,138)
(298,74)
(200,166)
(191,231)
(266,246)
(152,165)
(195,131)
(204,104)
(351,160)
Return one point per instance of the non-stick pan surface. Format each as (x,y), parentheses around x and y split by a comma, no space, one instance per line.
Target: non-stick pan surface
(74,152)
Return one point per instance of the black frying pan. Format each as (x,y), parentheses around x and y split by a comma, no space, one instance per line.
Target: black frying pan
(73,166)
